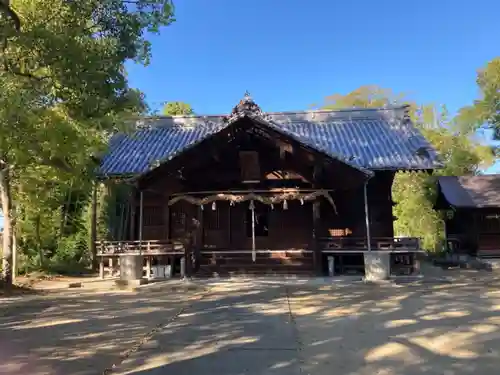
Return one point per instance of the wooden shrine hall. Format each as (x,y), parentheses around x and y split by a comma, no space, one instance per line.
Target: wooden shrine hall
(261,193)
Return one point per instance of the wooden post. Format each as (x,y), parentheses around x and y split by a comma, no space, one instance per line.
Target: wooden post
(254,254)
(167,219)
(101,267)
(141,219)
(229,228)
(110,267)
(416,264)
(148,267)
(199,240)
(317,255)
(367,216)
(476,232)
(133,214)
(93,228)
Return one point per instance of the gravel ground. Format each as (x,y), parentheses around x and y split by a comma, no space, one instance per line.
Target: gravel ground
(256,327)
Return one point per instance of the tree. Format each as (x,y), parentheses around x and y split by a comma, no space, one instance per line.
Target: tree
(414,192)
(62,63)
(486,109)
(177,109)
(369,96)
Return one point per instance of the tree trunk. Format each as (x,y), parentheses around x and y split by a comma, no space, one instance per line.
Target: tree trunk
(6,199)
(39,244)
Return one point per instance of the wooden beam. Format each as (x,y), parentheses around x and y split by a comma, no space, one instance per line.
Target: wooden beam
(317,256)
(166,212)
(133,213)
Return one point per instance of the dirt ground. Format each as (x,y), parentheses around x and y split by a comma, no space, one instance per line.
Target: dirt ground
(258,327)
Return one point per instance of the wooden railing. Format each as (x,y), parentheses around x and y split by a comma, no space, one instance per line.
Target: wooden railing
(334,244)
(154,247)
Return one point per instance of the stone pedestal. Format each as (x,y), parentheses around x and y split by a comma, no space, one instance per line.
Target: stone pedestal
(377,265)
(131,267)
(331,266)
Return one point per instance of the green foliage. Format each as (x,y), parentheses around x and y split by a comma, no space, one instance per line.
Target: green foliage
(177,109)
(414,194)
(63,90)
(369,96)
(486,109)
(459,152)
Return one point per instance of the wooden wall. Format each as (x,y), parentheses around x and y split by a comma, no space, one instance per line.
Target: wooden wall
(227,226)
(478,230)
(219,165)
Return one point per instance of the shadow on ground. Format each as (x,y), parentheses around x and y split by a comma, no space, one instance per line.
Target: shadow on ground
(254,328)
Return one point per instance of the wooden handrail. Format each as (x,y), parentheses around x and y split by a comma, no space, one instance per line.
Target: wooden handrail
(257,251)
(377,243)
(154,247)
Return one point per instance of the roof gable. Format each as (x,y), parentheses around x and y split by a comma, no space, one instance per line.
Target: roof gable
(363,138)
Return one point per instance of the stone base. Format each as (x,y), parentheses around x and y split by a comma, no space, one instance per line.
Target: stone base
(127,284)
(131,267)
(377,265)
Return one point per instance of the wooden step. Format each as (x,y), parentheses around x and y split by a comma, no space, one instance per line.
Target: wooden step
(290,262)
(265,255)
(265,272)
(261,269)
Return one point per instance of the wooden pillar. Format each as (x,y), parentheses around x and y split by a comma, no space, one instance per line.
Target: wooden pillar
(110,267)
(367,216)
(93,227)
(199,240)
(476,231)
(148,267)
(229,227)
(317,255)
(254,254)
(166,216)
(141,216)
(101,267)
(416,263)
(133,214)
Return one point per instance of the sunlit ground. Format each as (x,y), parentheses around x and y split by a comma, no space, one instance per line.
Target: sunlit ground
(249,327)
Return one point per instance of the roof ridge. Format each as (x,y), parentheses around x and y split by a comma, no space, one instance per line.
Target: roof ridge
(350,109)
(340,110)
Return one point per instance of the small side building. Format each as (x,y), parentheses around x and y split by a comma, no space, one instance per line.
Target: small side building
(472,206)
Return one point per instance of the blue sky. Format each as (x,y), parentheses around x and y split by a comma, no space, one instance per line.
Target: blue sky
(290,54)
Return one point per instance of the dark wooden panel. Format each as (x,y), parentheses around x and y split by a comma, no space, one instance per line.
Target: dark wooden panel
(249,166)
(216,226)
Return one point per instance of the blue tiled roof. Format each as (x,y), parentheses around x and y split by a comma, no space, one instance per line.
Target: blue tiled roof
(366,138)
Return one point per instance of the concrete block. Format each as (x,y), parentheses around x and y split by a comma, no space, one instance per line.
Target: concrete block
(131,267)
(377,265)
